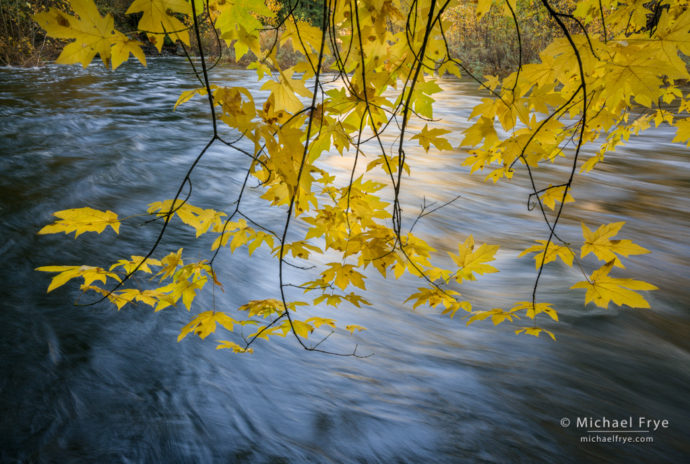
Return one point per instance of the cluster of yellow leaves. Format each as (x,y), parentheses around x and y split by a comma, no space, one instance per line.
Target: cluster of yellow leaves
(601,288)
(186,280)
(387,61)
(530,309)
(235,233)
(631,65)
(80,220)
(435,296)
(200,219)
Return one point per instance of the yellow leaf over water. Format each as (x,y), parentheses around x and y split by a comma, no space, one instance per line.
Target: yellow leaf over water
(427,137)
(603,289)
(205,324)
(471,261)
(90,274)
(80,220)
(535,331)
(555,194)
(599,242)
(352,327)
(554,251)
(225,344)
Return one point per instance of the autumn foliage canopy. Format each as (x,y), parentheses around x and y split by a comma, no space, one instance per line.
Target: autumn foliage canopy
(368,73)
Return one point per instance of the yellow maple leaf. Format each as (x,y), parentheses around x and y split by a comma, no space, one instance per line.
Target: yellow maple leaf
(283,92)
(531,310)
(301,34)
(89,273)
(483,7)
(233,19)
(170,264)
(319,321)
(129,295)
(200,219)
(427,137)
(158,19)
(343,275)
(131,264)
(225,344)
(122,47)
(300,249)
(452,309)
(599,242)
(80,220)
(352,327)
(90,30)
(497,316)
(555,194)
(188,95)
(263,308)
(632,75)
(185,285)
(204,324)
(433,297)
(534,331)
(357,300)
(484,130)
(602,289)
(682,131)
(330,299)
(554,251)
(491,81)
(258,238)
(470,261)
(301,328)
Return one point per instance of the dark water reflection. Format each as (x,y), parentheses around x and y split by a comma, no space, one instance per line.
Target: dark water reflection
(88,384)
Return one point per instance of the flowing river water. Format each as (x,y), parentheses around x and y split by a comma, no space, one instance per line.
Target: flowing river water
(90,384)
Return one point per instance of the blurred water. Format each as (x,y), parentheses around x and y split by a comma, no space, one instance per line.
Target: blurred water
(89,384)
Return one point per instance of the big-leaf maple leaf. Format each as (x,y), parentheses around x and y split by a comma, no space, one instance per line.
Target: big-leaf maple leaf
(80,220)
(67,273)
(205,324)
(554,251)
(158,19)
(555,194)
(470,261)
(599,242)
(427,137)
(602,289)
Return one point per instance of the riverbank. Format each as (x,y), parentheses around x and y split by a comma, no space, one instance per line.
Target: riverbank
(486,46)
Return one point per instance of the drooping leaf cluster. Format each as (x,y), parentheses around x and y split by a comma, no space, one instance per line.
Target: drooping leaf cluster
(608,77)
